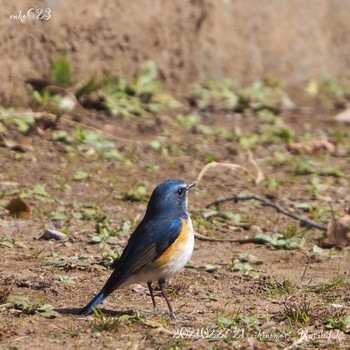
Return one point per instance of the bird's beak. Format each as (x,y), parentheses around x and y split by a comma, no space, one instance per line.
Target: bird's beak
(190,185)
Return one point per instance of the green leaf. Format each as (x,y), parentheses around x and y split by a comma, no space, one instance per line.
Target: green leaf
(243,267)
(96,239)
(80,175)
(49,314)
(210,267)
(23,123)
(316,250)
(19,301)
(155,144)
(59,215)
(61,135)
(40,191)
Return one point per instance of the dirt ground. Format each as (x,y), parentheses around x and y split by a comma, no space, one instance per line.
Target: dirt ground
(246,308)
(254,295)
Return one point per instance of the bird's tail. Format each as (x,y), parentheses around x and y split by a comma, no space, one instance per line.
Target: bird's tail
(94,302)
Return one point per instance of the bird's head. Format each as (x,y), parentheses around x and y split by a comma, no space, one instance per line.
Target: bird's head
(168,198)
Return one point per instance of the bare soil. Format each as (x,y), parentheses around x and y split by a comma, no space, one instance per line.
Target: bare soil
(201,298)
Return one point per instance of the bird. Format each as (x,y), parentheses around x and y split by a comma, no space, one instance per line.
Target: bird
(159,248)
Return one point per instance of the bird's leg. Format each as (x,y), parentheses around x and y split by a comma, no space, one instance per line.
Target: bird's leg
(161,283)
(149,284)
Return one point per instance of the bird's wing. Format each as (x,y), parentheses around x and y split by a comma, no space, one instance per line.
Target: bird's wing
(148,242)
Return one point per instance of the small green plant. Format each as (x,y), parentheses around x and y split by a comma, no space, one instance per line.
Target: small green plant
(138,97)
(236,319)
(328,87)
(103,323)
(298,314)
(105,232)
(75,262)
(340,280)
(138,195)
(67,280)
(341,322)
(276,288)
(97,144)
(188,121)
(228,95)
(47,101)
(6,241)
(281,241)
(277,132)
(304,166)
(22,305)
(61,71)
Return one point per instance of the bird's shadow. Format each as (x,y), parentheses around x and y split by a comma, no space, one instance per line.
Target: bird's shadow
(113,313)
(76,311)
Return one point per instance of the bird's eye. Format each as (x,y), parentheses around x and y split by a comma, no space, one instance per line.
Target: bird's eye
(180,192)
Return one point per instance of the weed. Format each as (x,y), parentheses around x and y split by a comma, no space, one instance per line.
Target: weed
(103,323)
(138,195)
(61,71)
(340,280)
(97,144)
(22,305)
(276,288)
(272,184)
(105,232)
(64,279)
(238,320)
(48,102)
(304,166)
(80,175)
(138,97)
(228,95)
(341,322)
(281,241)
(298,314)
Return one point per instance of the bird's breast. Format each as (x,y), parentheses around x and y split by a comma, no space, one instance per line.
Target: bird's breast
(179,253)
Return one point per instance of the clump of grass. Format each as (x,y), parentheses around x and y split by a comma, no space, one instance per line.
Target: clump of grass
(276,288)
(340,280)
(298,314)
(104,323)
(61,71)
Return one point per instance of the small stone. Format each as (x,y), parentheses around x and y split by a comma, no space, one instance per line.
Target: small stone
(286,103)
(343,117)
(53,234)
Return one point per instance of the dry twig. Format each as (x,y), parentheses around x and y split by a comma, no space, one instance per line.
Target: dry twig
(303,221)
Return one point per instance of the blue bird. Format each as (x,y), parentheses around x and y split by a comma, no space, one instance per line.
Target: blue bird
(160,246)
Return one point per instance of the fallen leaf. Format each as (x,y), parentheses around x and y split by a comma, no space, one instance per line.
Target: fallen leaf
(210,267)
(343,117)
(18,208)
(80,175)
(17,143)
(286,103)
(44,121)
(338,233)
(311,147)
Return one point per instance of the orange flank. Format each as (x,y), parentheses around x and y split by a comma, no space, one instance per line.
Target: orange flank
(177,247)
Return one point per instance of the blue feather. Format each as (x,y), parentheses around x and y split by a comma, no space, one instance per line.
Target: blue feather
(94,302)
